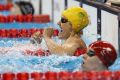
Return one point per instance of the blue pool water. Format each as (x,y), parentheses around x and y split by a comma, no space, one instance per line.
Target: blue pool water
(38,64)
(15,61)
(5,13)
(26,25)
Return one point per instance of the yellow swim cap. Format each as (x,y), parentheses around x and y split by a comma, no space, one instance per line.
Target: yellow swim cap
(77,16)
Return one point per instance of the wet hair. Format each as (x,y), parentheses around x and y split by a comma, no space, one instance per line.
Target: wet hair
(25,7)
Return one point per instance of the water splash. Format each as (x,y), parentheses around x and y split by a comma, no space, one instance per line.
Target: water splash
(15,61)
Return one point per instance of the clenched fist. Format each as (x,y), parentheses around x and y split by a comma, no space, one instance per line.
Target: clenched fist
(48,32)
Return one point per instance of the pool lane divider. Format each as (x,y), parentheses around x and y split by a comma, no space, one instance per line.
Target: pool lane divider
(43,18)
(22,33)
(63,75)
(5,7)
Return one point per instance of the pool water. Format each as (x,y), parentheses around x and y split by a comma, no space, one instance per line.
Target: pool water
(26,25)
(16,61)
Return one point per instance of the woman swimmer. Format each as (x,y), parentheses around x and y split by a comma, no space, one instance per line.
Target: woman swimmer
(72,22)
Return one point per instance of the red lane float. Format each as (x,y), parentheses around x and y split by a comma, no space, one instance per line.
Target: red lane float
(32,31)
(50,76)
(10,18)
(23,33)
(16,33)
(3,33)
(20,18)
(23,76)
(2,19)
(80,75)
(65,75)
(107,75)
(8,76)
(41,19)
(77,75)
(13,33)
(37,76)
(29,18)
(25,18)
(5,7)
(116,75)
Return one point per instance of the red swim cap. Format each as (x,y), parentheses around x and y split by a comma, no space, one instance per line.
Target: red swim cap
(105,52)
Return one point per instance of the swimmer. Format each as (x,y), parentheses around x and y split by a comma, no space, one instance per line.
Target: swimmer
(22,8)
(100,55)
(73,21)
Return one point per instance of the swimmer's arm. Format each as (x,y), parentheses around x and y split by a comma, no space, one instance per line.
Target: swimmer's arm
(67,48)
(53,47)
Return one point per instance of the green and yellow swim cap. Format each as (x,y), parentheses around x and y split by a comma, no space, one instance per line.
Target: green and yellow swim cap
(77,16)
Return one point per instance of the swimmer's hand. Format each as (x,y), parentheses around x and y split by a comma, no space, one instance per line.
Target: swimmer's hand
(36,38)
(48,32)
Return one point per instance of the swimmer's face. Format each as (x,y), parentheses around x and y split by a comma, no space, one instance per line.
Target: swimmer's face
(15,10)
(90,61)
(66,28)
